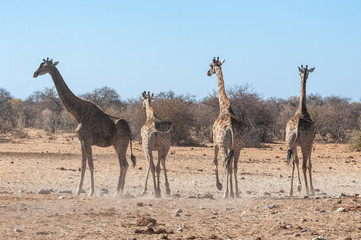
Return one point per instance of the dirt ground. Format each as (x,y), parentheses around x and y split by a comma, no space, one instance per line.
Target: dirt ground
(39,175)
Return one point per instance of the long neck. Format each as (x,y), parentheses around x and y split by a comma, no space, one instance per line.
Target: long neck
(224,103)
(302,107)
(149,110)
(70,101)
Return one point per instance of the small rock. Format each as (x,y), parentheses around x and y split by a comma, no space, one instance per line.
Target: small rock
(61,197)
(21,190)
(140,204)
(303,230)
(150,225)
(243,178)
(66,191)
(46,191)
(341,209)
(272,206)
(297,235)
(179,211)
(177,195)
(215,213)
(104,191)
(3,206)
(176,215)
(348,238)
(99,230)
(180,229)
(321,237)
(281,176)
(230,209)
(17,230)
(267,193)
(244,213)
(342,195)
(322,211)
(202,208)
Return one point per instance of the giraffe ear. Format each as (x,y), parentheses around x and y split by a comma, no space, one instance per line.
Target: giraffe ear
(56,63)
(152,95)
(223,61)
(300,70)
(311,69)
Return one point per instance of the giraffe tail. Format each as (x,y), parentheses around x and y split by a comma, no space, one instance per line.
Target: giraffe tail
(289,156)
(229,158)
(132,157)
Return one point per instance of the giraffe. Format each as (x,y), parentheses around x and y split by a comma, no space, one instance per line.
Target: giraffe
(300,132)
(227,133)
(155,137)
(95,127)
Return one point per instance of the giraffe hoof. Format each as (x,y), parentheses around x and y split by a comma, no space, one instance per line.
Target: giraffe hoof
(219,186)
(168,191)
(157,193)
(144,193)
(299,187)
(231,195)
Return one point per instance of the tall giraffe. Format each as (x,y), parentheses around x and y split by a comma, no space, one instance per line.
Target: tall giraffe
(300,131)
(155,137)
(95,127)
(227,133)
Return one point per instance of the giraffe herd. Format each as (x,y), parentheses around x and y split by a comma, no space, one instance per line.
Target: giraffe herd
(100,129)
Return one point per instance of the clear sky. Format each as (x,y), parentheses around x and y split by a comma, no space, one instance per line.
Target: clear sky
(133,46)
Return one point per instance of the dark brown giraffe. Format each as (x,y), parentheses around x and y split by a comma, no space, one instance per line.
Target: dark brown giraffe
(227,133)
(95,127)
(300,132)
(155,137)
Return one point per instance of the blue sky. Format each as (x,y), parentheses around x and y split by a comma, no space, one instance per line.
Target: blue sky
(133,46)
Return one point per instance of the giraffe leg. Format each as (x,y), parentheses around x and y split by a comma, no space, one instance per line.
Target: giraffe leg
(146,180)
(83,167)
(163,154)
(224,154)
(235,169)
(309,167)
(157,170)
(305,154)
(215,162)
(231,193)
(88,150)
(294,154)
(123,164)
(299,184)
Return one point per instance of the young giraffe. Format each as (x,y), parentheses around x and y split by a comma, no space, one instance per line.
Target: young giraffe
(95,127)
(155,137)
(300,131)
(227,133)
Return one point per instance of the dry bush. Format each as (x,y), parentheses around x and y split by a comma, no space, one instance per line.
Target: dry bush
(7,112)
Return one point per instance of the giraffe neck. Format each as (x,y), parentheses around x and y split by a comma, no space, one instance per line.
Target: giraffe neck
(71,102)
(149,110)
(224,104)
(302,107)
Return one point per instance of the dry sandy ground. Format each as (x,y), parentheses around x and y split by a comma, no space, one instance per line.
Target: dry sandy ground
(51,162)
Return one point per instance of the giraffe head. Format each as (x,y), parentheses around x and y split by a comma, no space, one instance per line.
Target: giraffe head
(45,67)
(146,98)
(305,71)
(214,65)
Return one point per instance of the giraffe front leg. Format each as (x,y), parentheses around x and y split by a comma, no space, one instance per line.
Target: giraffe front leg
(157,188)
(83,167)
(215,162)
(235,169)
(146,181)
(89,154)
(309,166)
(163,154)
(299,184)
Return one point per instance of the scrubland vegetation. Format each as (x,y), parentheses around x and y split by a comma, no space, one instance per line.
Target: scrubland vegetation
(337,119)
